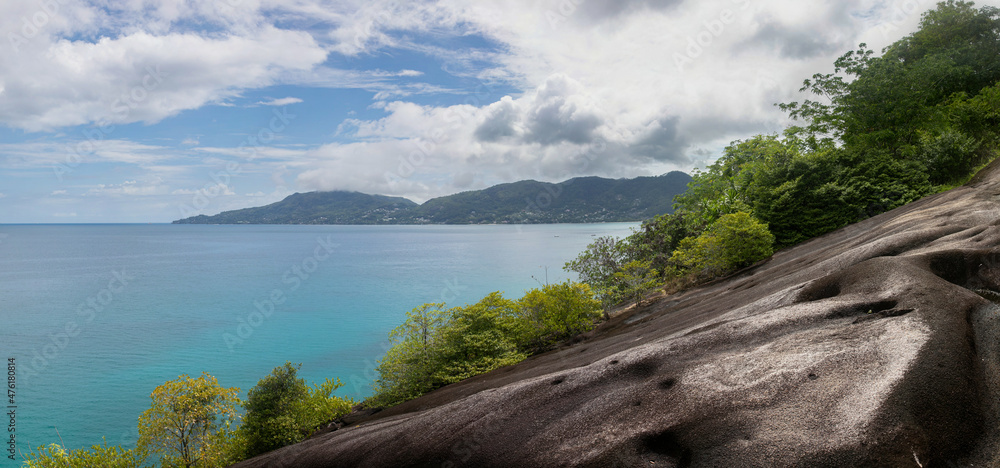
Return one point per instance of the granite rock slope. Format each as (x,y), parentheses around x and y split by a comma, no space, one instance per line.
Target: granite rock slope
(875,345)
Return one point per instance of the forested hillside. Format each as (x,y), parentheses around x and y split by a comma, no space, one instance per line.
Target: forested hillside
(579,200)
(879,132)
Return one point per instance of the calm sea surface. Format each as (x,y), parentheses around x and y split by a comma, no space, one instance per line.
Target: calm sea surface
(97,316)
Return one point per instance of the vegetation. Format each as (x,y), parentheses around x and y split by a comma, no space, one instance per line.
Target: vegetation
(190,422)
(555,313)
(193,423)
(55,456)
(580,200)
(883,131)
(436,347)
(314,208)
(734,241)
(282,410)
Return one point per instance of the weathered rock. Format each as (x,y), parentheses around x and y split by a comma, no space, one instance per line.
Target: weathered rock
(874,345)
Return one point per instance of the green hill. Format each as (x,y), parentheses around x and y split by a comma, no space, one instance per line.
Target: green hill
(314,208)
(580,200)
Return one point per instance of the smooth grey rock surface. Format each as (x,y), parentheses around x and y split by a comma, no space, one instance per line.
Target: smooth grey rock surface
(871,346)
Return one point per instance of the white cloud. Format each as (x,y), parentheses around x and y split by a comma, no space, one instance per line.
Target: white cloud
(404,73)
(143,73)
(614,89)
(280,102)
(617,89)
(59,192)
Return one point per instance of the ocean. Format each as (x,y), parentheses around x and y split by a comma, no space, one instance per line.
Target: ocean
(96,316)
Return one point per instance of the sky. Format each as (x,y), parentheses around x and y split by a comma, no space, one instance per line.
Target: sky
(147,111)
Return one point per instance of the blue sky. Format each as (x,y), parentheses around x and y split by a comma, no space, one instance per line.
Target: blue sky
(150,111)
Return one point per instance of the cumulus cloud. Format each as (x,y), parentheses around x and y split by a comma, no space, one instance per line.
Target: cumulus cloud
(603,93)
(560,111)
(660,140)
(139,74)
(501,119)
(617,89)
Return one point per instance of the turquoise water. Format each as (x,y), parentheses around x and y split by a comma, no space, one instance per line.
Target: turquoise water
(97,316)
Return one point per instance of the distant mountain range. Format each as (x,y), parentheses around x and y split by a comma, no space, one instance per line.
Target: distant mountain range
(579,200)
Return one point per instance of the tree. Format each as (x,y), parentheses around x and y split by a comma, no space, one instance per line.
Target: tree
(190,422)
(409,368)
(434,347)
(597,265)
(734,241)
(885,103)
(271,419)
(479,338)
(282,410)
(638,279)
(55,456)
(553,313)
(733,182)
(657,239)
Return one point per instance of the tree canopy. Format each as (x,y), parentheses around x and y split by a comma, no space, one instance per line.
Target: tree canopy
(878,132)
(190,422)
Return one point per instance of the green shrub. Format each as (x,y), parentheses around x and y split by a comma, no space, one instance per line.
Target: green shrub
(733,241)
(554,313)
(282,410)
(479,338)
(435,347)
(55,456)
(948,156)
